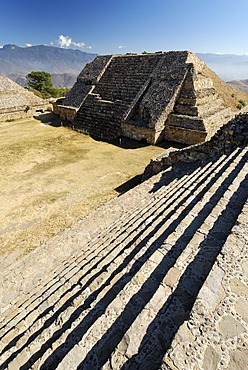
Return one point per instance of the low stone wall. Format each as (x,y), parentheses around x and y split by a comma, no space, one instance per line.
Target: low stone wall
(141,133)
(20,112)
(56,105)
(65,113)
(183,135)
(231,135)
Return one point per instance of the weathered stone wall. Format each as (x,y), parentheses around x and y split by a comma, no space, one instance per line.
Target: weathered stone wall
(229,136)
(56,104)
(179,101)
(183,135)
(138,132)
(65,113)
(20,112)
(198,107)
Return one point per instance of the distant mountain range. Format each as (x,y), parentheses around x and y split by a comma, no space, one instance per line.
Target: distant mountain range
(64,65)
(241,85)
(227,66)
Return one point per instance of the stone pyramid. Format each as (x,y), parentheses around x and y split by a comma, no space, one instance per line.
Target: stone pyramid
(149,97)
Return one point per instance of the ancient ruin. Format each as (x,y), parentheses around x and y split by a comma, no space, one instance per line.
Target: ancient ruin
(154,279)
(149,97)
(17,102)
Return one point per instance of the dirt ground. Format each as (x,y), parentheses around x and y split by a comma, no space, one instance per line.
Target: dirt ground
(52,176)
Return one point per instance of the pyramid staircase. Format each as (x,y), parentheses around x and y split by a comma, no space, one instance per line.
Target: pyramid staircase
(198,109)
(120,300)
(104,108)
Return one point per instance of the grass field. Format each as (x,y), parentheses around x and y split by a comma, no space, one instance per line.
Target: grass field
(53,176)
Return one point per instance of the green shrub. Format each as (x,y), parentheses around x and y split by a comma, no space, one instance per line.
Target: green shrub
(241,104)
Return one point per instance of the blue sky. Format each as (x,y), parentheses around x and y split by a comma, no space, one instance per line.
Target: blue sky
(121,26)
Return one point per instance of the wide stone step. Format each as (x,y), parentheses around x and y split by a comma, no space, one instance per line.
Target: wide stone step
(89,284)
(214,319)
(126,314)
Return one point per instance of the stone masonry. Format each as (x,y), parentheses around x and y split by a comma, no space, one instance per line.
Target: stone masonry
(225,139)
(149,97)
(155,279)
(17,102)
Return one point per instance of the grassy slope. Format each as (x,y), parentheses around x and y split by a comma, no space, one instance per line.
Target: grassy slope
(229,95)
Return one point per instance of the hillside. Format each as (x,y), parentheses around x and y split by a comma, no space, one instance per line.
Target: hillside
(19,60)
(240,85)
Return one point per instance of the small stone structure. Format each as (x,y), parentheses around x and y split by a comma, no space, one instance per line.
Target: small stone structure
(17,102)
(149,97)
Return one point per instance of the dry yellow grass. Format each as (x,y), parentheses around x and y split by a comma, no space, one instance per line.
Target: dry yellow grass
(51,177)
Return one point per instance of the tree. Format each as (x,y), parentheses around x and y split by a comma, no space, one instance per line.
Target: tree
(41,81)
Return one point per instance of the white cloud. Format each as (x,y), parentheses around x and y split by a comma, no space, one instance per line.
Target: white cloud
(66,41)
(122,46)
(79,44)
(28,45)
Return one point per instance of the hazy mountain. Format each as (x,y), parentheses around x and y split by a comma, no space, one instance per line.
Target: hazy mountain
(19,60)
(241,85)
(63,79)
(227,66)
(58,80)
